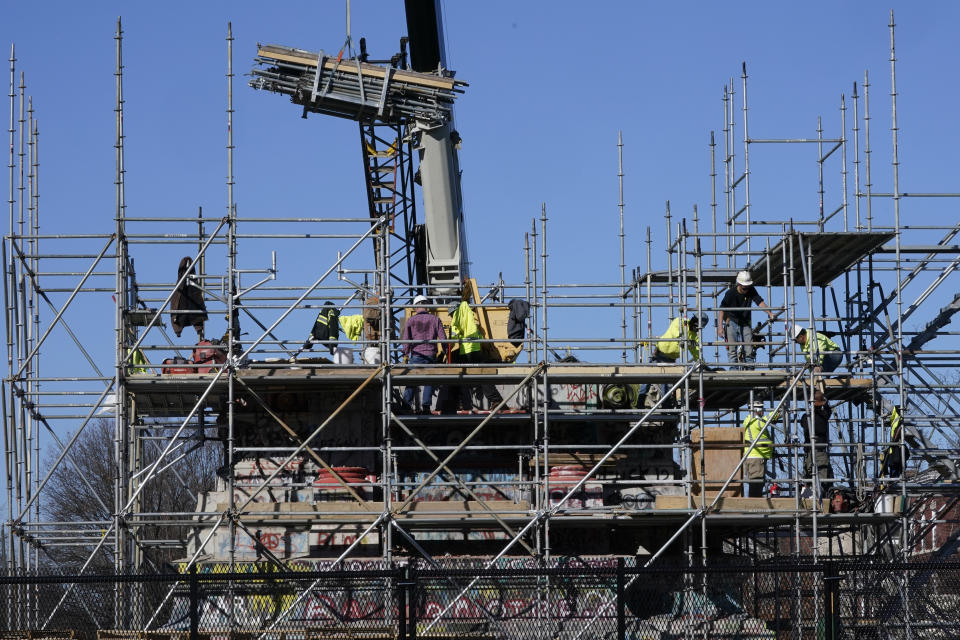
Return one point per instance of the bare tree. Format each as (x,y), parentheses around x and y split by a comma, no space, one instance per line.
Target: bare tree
(67,498)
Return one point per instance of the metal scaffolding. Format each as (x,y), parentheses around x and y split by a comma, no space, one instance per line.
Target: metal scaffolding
(587,453)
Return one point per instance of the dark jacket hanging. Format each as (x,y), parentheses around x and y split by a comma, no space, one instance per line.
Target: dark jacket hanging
(517,322)
(187,298)
(326,328)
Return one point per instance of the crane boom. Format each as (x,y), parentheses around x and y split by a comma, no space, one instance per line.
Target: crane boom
(446,258)
(419,99)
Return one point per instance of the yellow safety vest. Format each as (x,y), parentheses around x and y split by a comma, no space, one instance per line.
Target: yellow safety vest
(137,358)
(463,327)
(352,326)
(895,421)
(824,344)
(891,451)
(670,341)
(755,428)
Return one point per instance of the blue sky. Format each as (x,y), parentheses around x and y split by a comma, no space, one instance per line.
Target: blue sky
(551,84)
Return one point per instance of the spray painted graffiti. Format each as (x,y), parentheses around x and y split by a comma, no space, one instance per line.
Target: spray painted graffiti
(576,604)
(269,602)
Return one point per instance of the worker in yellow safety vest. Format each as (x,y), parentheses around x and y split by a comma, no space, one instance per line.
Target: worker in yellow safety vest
(755,429)
(680,333)
(465,332)
(893,458)
(827,356)
(668,347)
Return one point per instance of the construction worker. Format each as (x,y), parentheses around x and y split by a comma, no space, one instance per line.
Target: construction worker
(819,349)
(464,329)
(668,347)
(816,430)
(326,328)
(422,334)
(755,429)
(893,458)
(733,319)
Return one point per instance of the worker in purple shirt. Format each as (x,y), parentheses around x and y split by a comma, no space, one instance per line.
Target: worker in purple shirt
(421,335)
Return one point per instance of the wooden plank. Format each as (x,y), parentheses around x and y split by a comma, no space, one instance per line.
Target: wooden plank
(309,59)
(471,291)
(729,505)
(458,508)
(352,511)
(456,371)
(589,460)
(844,383)
(479,311)
(614,370)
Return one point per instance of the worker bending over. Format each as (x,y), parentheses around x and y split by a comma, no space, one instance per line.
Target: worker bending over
(756,430)
(681,333)
(819,349)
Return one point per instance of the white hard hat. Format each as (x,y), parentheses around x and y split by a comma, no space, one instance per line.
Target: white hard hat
(757,405)
(420,300)
(797,329)
(744,279)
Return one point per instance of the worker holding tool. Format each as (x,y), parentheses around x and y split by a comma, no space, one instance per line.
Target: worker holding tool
(733,319)
(422,334)
(819,349)
(756,429)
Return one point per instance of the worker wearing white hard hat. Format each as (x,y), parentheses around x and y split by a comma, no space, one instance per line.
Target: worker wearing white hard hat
(423,334)
(757,447)
(733,319)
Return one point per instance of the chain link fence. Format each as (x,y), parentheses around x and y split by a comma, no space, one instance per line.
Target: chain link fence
(590,599)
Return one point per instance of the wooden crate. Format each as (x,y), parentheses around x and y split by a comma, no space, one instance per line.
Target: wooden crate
(723,448)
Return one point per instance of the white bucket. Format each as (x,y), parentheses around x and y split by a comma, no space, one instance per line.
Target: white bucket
(343,355)
(885,503)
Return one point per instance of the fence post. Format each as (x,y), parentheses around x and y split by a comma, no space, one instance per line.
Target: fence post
(403,580)
(194,603)
(831,614)
(412,598)
(621,604)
